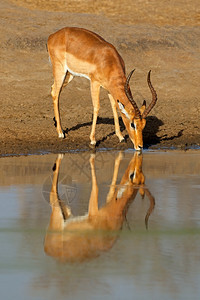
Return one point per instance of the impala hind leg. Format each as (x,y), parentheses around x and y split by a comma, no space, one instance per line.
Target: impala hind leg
(116,118)
(95,90)
(60,211)
(68,78)
(59,73)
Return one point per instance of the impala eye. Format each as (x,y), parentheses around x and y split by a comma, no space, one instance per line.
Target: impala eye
(132,125)
(132,176)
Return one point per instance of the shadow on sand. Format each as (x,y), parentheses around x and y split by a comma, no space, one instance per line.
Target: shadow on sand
(150,131)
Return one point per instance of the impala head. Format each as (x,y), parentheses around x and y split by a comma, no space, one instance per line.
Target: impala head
(133,117)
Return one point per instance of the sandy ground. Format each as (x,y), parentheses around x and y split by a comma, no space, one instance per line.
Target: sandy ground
(163,36)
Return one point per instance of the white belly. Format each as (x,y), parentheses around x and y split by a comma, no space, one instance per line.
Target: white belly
(77,74)
(79,67)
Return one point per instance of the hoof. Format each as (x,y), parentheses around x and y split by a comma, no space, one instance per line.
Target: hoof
(92,157)
(92,146)
(122,141)
(60,156)
(61,135)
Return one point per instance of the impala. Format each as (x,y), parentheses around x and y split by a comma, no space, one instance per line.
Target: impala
(72,239)
(80,52)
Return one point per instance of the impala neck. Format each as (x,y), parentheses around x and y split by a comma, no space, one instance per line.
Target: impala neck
(117,91)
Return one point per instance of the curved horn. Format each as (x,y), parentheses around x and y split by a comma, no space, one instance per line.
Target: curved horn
(154,97)
(126,89)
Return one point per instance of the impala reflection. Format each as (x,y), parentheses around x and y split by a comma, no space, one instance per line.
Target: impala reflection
(76,239)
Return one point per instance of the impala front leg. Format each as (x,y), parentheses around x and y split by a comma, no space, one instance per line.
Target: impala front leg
(93,203)
(114,179)
(116,118)
(95,90)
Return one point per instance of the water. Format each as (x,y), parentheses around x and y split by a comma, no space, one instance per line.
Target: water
(96,259)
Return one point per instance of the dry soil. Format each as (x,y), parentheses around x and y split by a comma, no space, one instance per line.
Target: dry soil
(163,36)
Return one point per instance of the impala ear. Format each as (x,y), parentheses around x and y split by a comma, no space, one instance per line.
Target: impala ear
(143,107)
(123,110)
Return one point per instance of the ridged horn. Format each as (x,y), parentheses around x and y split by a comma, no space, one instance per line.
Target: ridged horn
(154,97)
(126,89)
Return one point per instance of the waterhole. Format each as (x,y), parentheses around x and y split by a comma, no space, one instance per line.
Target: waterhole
(118,225)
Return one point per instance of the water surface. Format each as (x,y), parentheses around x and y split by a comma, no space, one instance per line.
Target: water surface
(113,255)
